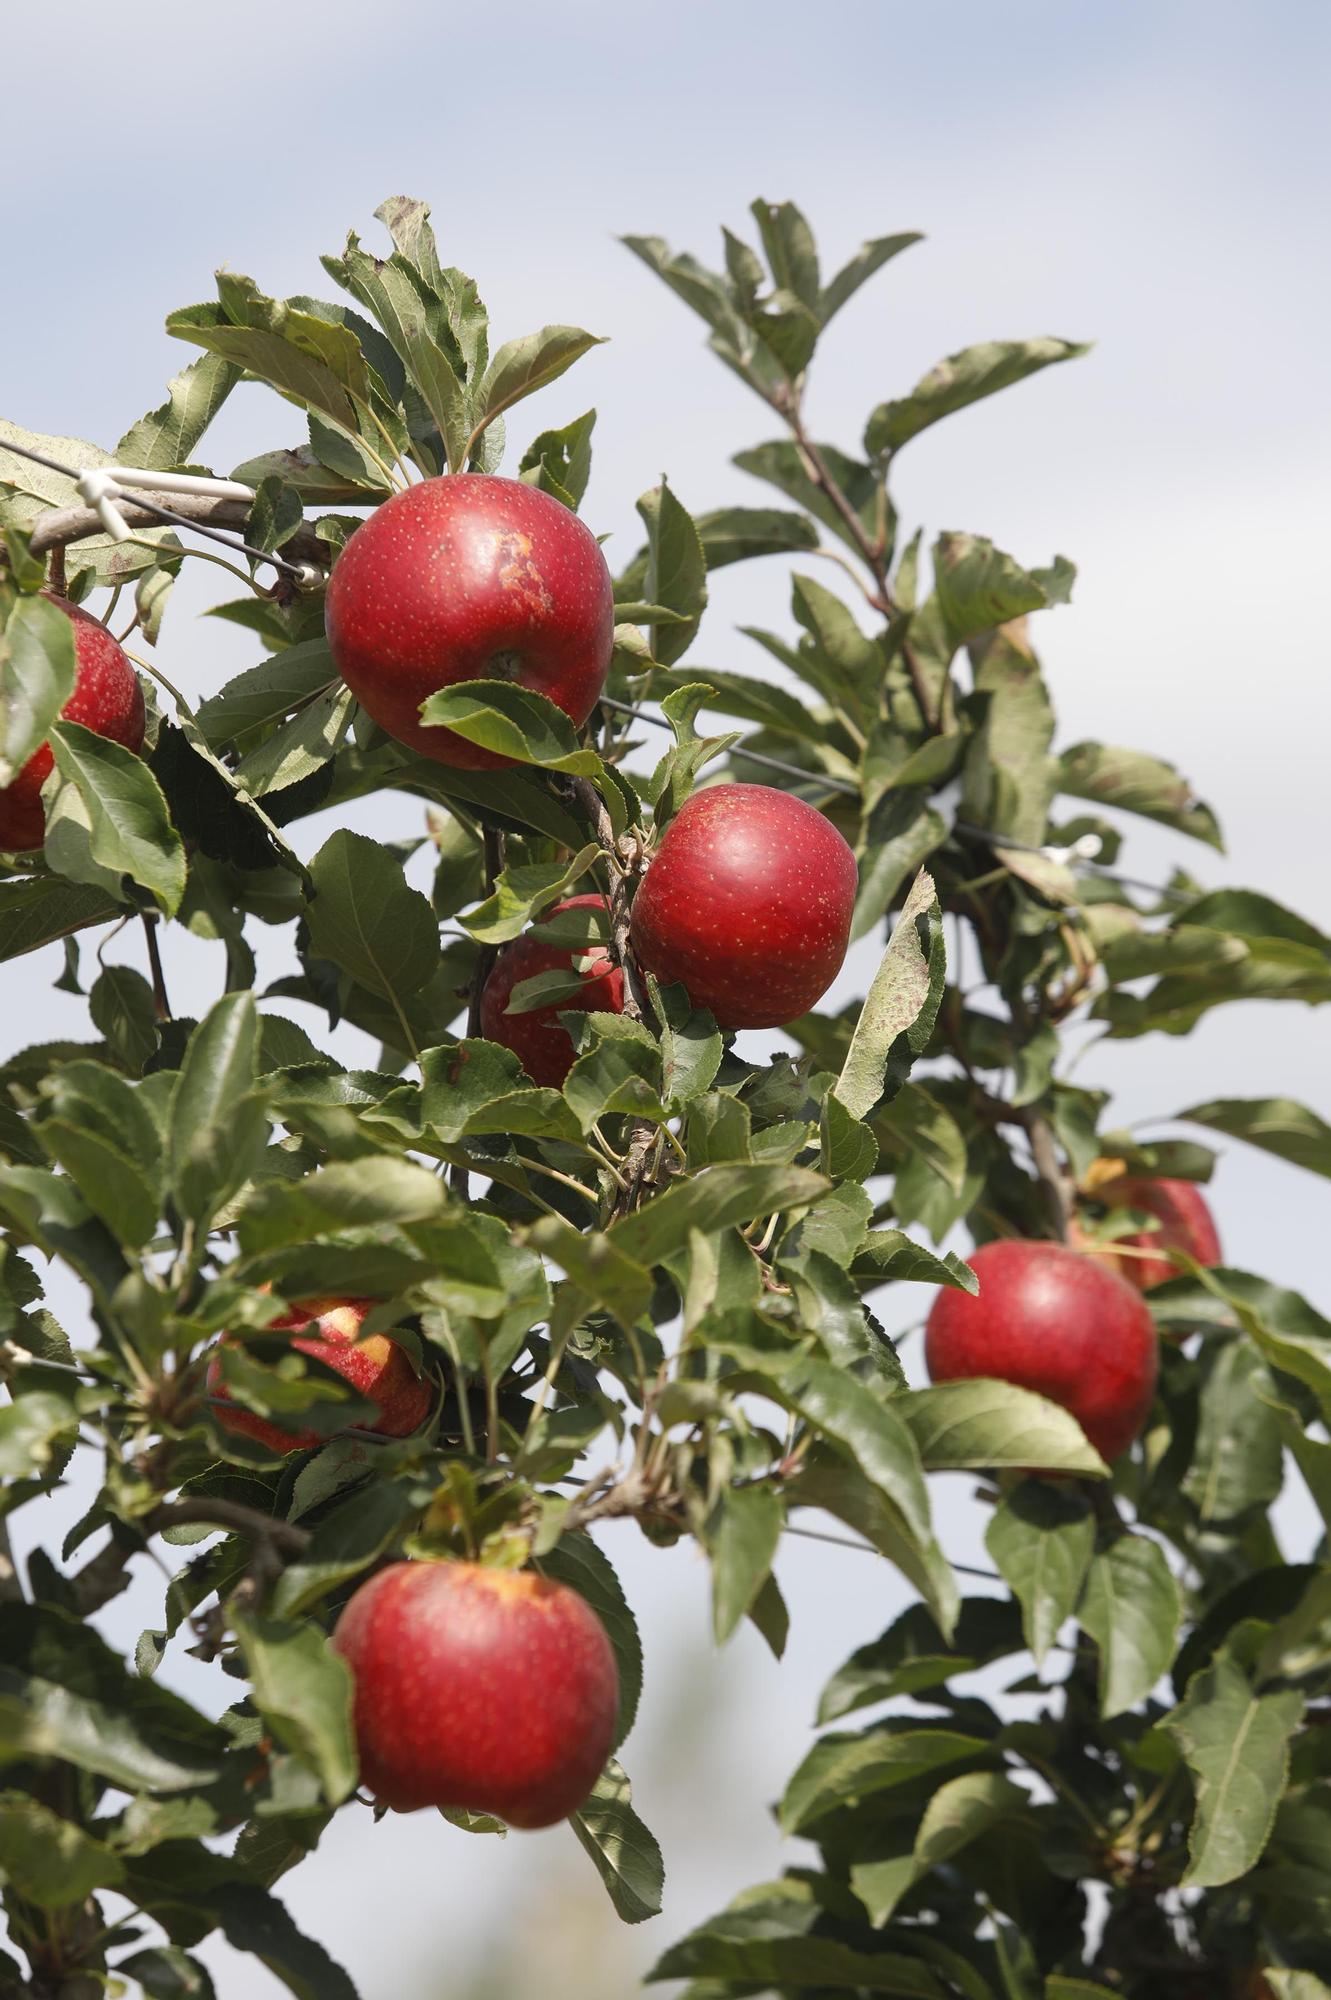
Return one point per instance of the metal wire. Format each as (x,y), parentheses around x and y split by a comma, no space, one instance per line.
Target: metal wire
(169,516)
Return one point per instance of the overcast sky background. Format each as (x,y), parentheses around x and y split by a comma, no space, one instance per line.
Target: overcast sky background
(1152,176)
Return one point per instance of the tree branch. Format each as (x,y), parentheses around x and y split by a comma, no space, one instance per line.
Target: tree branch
(1053,1179)
(63,525)
(235,1518)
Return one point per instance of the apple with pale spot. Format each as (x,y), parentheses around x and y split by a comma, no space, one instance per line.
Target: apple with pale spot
(329,1330)
(491,1690)
(748,904)
(465,578)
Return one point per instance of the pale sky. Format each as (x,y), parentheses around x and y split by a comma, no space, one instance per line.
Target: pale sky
(1151,176)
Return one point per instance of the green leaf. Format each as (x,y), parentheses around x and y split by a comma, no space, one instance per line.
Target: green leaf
(1131,1607)
(253,1921)
(870,257)
(164,440)
(849,1150)
(521,367)
(266,693)
(1238,1458)
(34,1429)
(165,1973)
(303,1690)
(560,462)
(38,910)
(843,1770)
(512,721)
(958,381)
(890,1254)
(313,363)
(392,291)
(764,1944)
(1041,1540)
(1134,782)
(65,1693)
(348,1194)
(898,1014)
(109,819)
(366,919)
(36,679)
(620,1071)
(691,1046)
(979,587)
(676,571)
(627,1857)
(298,748)
(102,1133)
(711,1200)
(735,534)
(1236,1744)
(121,1006)
(871,1432)
(345,1542)
(743,1533)
(581,1563)
(48,1860)
(522,891)
(912,1655)
(976,1424)
(218,1127)
(1276,1124)
(958,1813)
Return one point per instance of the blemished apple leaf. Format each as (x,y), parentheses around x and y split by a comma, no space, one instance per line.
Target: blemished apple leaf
(513,721)
(36,679)
(1235,1742)
(1041,1539)
(580,1562)
(742,1533)
(625,1853)
(1131,1607)
(958,381)
(521,892)
(1138,783)
(898,1014)
(365,917)
(912,1655)
(972,1425)
(218,1124)
(107,818)
(842,1769)
(1277,1125)
(166,437)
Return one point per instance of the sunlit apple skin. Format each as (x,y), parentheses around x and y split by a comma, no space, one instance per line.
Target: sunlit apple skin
(493,1690)
(1051,1320)
(748,904)
(1186,1223)
(465,578)
(375,1367)
(106,698)
(539,1038)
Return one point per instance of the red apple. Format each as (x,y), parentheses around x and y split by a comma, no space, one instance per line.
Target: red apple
(1186,1223)
(106,698)
(469,578)
(748,904)
(493,1690)
(1053,1321)
(539,1038)
(375,1367)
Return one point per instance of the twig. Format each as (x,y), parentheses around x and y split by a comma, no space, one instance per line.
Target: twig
(161,1004)
(235,1519)
(635,999)
(11,1590)
(872,551)
(1055,1182)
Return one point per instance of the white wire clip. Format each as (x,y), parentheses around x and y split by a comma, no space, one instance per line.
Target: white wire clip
(1084,849)
(102,487)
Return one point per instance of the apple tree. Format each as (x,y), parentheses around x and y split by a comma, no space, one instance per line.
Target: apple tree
(368,1352)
